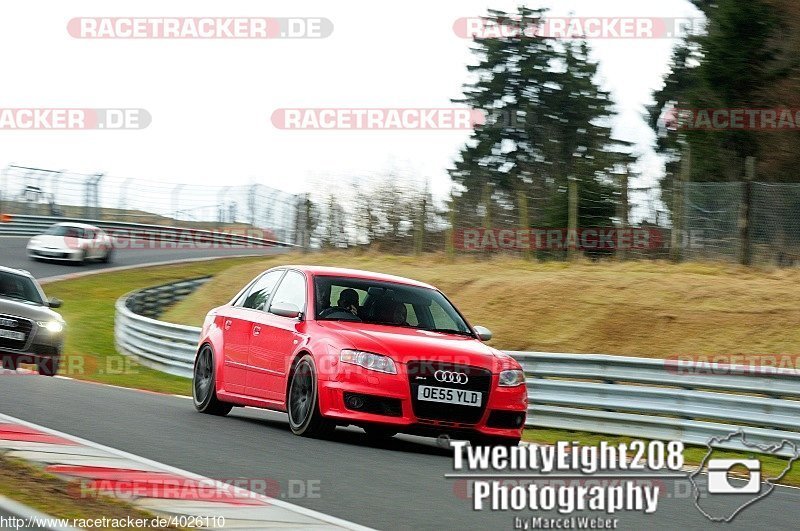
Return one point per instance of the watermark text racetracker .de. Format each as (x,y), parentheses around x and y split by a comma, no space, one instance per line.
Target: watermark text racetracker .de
(200,27)
(491,466)
(606,27)
(589,238)
(40,118)
(733,364)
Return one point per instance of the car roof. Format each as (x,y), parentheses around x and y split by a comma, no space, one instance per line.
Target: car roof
(324,271)
(77,225)
(21,272)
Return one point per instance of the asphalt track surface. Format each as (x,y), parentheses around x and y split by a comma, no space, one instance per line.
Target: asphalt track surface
(397,485)
(13,254)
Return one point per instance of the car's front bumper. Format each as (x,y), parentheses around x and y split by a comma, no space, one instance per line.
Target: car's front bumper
(391,405)
(66,255)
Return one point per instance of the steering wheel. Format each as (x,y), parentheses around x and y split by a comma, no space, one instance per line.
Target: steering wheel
(327,312)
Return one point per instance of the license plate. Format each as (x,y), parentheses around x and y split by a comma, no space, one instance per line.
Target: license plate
(11,334)
(460,397)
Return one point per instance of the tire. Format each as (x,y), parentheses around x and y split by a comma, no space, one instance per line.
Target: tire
(302,402)
(82,261)
(9,363)
(487,440)
(204,389)
(48,366)
(108,256)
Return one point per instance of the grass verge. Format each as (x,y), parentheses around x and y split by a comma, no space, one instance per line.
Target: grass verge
(89,312)
(55,497)
(771,466)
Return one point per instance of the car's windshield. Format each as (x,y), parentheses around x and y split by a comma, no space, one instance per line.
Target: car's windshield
(65,230)
(386,303)
(18,287)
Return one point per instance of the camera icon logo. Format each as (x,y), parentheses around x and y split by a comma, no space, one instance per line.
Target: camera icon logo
(718,482)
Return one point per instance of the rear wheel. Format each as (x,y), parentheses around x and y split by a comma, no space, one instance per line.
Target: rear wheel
(109,254)
(303,401)
(48,366)
(204,392)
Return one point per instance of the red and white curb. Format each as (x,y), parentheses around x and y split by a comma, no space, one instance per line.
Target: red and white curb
(155,487)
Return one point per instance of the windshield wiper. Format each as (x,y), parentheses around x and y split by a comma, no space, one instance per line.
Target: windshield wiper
(16,297)
(449,331)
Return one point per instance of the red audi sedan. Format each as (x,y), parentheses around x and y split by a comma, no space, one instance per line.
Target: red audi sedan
(343,347)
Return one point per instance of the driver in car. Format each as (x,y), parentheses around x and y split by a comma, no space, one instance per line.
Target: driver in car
(348,300)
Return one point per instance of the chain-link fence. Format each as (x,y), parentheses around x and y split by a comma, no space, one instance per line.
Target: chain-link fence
(36,191)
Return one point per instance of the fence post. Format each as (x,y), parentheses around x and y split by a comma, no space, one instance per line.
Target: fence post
(745,213)
(623,208)
(524,220)
(450,235)
(678,203)
(419,232)
(572,220)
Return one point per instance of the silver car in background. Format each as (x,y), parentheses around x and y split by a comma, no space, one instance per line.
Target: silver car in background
(72,242)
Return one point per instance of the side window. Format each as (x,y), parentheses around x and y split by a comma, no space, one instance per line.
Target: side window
(292,290)
(261,290)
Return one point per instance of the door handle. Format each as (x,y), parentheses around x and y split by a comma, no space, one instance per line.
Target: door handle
(228,324)
(256,330)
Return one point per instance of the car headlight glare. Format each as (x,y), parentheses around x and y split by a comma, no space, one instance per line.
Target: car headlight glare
(369,360)
(511,378)
(51,326)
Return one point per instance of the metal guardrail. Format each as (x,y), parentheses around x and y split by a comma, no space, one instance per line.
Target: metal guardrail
(615,395)
(25,225)
(162,346)
(662,399)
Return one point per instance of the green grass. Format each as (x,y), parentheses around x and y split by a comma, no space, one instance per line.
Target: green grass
(771,466)
(89,352)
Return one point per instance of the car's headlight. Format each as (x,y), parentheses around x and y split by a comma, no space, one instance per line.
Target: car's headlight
(369,360)
(51,326)
(511,378)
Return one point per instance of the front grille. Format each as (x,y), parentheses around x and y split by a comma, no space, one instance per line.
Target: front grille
(422,373)
(21,325)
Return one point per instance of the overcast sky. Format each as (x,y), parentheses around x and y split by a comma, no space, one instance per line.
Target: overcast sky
(211,100)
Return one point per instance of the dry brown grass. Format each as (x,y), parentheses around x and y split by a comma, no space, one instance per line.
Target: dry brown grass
(646,309)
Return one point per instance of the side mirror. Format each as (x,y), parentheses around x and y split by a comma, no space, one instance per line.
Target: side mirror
(54,303)
(285,309)
(484,334)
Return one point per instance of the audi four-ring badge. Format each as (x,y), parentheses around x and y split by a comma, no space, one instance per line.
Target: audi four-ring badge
(337,347)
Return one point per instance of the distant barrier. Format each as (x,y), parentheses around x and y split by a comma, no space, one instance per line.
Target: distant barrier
(24,225)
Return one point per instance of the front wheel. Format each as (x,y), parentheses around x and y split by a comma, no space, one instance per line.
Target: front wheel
(204,392)
(48,367)
(303,401)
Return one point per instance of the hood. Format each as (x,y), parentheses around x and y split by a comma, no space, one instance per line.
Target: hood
(28,310)
(56,242)
(406,344)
